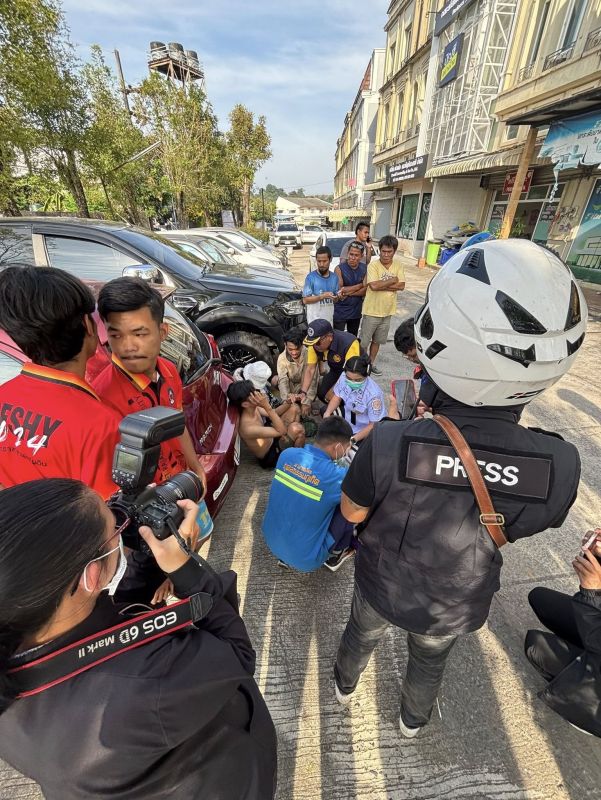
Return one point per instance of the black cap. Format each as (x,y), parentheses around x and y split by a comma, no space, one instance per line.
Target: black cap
(317,329)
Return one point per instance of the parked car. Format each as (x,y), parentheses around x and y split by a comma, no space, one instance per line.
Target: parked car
(246,309)
(245,241)
(242,255)
(335,240)
(212,422)
(281,255)
(286,233)
(310,234)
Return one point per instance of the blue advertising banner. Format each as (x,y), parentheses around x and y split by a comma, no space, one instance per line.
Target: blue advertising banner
(450,61)
(586,247)
(574,141)
(447,14)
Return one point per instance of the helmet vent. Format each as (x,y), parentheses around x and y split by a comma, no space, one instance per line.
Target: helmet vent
(426,326)
(520,320)
(574,313)
(435,348)
(475,267)
(523,357)
(574,346)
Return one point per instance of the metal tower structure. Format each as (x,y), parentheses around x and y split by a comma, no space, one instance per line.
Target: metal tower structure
(461,122)
(178,65)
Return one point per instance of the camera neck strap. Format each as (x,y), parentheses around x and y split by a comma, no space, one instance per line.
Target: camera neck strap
(67,662)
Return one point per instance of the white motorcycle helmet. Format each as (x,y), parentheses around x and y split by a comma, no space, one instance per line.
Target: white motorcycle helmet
(502,322)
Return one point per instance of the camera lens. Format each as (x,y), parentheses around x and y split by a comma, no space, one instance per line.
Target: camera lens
(184,486)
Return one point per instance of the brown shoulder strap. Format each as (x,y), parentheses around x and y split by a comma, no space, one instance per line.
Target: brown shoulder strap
(492,521)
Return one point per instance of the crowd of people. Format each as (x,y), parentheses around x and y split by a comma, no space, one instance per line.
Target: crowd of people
(423,503)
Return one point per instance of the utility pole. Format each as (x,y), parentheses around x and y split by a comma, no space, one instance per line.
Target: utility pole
(124,91)
(263,204)
(514,198)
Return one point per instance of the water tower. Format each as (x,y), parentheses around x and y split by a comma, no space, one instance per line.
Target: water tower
(178,65)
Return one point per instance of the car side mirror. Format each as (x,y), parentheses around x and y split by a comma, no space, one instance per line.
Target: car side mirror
(230,251)
(144,271)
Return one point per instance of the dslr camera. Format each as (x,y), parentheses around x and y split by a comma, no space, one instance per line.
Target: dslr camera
(134,465)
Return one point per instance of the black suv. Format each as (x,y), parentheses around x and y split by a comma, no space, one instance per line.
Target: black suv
(247,309)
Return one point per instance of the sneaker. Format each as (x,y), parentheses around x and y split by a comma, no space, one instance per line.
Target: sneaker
(337,560)
(588,733)
(375,370)
(406,730)
(343,698)
(283,564)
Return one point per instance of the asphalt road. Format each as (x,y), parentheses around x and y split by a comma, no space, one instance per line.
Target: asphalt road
(492,739)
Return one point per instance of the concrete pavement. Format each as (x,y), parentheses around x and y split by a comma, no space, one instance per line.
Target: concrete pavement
(492,738)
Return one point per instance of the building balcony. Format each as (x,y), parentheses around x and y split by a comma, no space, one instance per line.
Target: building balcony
(558,57)
(396,146)
(559,75)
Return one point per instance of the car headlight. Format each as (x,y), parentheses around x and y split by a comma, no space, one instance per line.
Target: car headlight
(293,308)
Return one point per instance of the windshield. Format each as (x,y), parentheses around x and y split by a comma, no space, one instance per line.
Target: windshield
(232,236)
(337,244)
(213,250)
(287,228)
(164,252)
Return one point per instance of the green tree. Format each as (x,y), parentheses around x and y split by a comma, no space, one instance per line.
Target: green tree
(111,142)
(41,98)
(249,146)
(192,151)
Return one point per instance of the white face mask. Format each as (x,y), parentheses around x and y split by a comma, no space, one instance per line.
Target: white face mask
(111,586)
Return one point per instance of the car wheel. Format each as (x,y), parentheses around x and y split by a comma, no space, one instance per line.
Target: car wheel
(239,348)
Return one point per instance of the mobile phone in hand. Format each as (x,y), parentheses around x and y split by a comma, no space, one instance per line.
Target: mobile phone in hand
(591,541)
(404,392)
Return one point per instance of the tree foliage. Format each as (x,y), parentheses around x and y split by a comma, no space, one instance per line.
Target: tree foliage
(249,145)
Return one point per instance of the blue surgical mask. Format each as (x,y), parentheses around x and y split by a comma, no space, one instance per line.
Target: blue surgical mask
(355,385)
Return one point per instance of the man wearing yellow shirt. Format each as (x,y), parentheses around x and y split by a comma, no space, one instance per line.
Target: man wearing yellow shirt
(327,346)
(385,277)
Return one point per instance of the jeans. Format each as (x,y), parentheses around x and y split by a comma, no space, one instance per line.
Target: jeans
(550,653)
(342,531)
(425,667)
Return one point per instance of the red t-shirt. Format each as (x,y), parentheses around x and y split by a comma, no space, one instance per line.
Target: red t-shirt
(128,392)
(53,425)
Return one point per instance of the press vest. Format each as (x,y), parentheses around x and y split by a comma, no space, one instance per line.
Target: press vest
(425,563)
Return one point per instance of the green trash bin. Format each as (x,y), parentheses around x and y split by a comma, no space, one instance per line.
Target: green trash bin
(432,251)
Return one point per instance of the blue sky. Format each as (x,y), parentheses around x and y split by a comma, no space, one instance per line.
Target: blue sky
(299,64)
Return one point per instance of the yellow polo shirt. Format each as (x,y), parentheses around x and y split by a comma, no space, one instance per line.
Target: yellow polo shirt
(382,304)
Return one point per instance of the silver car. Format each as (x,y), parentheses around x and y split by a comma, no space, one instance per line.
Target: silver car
(287,233)
(310,234)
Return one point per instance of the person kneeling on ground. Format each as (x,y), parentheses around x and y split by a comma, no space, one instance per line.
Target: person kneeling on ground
(327,347)
(259,374)
(303,525)
(291,366)
(359,398)
(261,428)
(569,657)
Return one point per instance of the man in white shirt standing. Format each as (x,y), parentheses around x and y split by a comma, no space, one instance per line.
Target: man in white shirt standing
(320,291)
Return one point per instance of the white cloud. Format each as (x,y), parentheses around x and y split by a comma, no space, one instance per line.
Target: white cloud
(300,64)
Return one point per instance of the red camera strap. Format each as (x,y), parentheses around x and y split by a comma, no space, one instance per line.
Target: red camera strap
(54,668)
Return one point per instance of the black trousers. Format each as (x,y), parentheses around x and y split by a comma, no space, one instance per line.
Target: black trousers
(326,383)
(351,325)
(551,651)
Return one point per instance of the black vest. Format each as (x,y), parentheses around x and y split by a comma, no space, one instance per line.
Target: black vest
(425,562)
(336,353)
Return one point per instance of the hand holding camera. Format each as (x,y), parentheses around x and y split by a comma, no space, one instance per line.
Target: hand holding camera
(167,552)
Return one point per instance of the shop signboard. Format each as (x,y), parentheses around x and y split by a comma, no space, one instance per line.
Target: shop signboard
(446,15)
(406,170)
(449,69)
(227,219)
(510,180)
